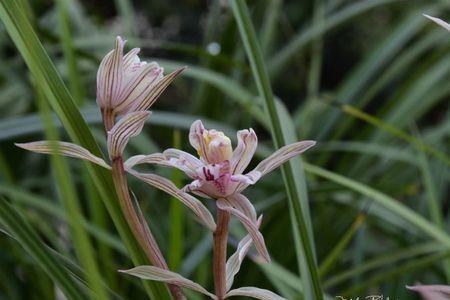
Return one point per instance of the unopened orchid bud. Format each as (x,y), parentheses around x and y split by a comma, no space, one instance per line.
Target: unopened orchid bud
(127,84)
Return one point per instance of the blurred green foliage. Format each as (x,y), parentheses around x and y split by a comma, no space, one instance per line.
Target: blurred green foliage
(378,202)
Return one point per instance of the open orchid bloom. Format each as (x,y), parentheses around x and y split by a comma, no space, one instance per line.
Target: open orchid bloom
(439,22)
(218,173)
(432,292)
(127,84)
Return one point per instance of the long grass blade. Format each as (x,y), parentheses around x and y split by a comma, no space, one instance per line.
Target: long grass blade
(82,244)
(298,207)
(24,233)
(62,103)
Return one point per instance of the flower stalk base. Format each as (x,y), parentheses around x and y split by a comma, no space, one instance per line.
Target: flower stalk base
(139,227)
(220,253)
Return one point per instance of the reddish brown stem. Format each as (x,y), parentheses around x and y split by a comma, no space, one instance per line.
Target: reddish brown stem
(220,253)
(108,118)
(140,230)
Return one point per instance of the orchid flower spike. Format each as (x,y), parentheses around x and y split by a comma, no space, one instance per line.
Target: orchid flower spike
(218,173)
(127,84)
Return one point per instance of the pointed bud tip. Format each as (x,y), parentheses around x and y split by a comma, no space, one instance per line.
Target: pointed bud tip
(21,145)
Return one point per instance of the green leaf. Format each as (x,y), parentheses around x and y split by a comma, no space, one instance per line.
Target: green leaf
(24,233)
(62,103)
(298,205)
(400,210)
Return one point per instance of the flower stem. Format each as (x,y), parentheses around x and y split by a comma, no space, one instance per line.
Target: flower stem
(220,253)
(108,119)
(139,227)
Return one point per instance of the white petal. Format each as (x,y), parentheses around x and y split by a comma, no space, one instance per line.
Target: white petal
(235,260)
(169,158)
(102,75)
(244,205)
(154,159)
(128,126)
(158,274)
(192,203)
(282,155)
(155,90)
(254,292)
(251,227)
(243,154)
(110,76)
(193,186)
(196,139)
(63,148)
(439,22)
(432,292)
(130,58)
(245,180)
(138,87)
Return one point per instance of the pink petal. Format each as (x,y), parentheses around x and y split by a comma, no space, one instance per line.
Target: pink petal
(192,203)
(235,260)
(154,159)
(245,180)
(102,73)
(243,154)
(183,160)
(130,58)
(110,76)
(432,292)
(158,274)
(254,292)
(129,126)
(439,22)
(282,155)
(63,148)
(196,139)
(170,158)
(244,205)
(249,225)
(155,90)
(137,87)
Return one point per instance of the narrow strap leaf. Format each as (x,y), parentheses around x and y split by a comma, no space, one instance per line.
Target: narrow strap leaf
(254,292)
(235,260)
(129,126)
(63,148)
(169,187)
(158,274)
(250,226)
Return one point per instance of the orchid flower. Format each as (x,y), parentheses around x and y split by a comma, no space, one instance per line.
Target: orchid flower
(127,84)
(438,21)
(432,292)
(218,173)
